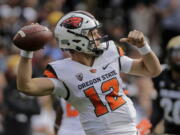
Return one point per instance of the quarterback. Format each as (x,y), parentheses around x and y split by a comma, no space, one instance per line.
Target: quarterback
(69,123)
(90,80)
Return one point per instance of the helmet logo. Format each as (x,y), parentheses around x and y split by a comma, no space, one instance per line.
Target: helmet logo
(72,22)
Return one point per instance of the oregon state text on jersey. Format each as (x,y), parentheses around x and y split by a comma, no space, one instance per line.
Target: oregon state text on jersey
(96,92)
(167,102)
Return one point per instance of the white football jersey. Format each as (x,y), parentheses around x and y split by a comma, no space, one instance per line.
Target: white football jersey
(96,92)
(70,124)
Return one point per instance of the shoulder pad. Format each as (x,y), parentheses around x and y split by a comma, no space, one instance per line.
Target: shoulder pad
(111,52)
(59,63)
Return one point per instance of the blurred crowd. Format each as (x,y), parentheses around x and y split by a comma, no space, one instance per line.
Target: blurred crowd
(158,19)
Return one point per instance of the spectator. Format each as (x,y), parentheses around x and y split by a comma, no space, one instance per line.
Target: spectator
(43,124)
(67,117)
(19,107)
(169,14)
(3,84)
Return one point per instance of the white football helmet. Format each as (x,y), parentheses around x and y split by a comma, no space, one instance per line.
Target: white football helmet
(72,31)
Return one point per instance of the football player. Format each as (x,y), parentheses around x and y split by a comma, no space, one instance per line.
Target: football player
(167,103)
(90,79)
(67,119)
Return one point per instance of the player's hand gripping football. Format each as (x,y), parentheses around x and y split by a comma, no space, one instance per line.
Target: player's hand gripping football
(135,38)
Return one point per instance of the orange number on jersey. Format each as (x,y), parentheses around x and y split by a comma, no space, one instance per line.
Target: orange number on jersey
(113,99)
(100,108)
(71,112)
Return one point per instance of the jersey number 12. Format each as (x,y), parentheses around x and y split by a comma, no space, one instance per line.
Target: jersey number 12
(113,99)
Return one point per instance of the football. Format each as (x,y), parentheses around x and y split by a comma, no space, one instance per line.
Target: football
(32,37)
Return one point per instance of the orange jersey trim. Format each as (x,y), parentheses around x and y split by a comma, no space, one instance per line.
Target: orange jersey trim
(126,92)
(120,51)
(49,74)
(71,112)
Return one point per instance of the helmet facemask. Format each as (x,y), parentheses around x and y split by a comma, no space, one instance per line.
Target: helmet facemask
(95,42)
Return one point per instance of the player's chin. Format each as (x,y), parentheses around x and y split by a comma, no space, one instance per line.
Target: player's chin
(97,44)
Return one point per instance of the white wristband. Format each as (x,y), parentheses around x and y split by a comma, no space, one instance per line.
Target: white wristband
(145,49)
(26,54)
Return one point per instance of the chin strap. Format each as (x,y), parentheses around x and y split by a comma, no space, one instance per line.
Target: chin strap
(97,51)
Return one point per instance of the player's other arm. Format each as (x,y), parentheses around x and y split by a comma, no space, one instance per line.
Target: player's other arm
(29,85)
(148,64)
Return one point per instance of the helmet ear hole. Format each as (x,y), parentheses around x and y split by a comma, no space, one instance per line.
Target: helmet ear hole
(78,48)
